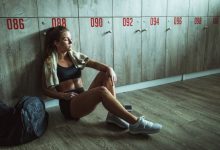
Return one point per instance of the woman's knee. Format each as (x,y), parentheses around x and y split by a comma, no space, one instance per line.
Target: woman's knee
(102,90)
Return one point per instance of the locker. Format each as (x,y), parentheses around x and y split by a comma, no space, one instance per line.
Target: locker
(57,8)
(20,59)
(18,8)
(126,8)
(198,8)
(153,47)
(154,7)
(96,39)
(214,8)
(177,8)
(70,23)
(127,50)
(212,55)
(197,34)
(95,8)
(176,44)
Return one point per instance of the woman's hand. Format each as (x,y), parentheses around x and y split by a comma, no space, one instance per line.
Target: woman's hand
(68,96)
(111,74)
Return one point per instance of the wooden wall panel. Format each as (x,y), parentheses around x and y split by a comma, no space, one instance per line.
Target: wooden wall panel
(57,8)
(20,60)
(178,8)
(176,44)
(153,48)
(212,56)
(94,8)
(127,8)
(197,37)
(127,51)
(198,7)
(96,42)
(154,7)
(18,8)
(214,8)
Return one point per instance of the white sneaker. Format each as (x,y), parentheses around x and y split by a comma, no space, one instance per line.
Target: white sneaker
(117,121)
(144,127)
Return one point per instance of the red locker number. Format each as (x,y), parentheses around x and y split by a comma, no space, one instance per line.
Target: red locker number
(215,20)
(58,22)
(197,20)
(154,21)
(96,22)
(15,23)
(127,22)
(178,20)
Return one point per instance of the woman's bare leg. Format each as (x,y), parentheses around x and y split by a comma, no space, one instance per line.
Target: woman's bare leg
(102,80)
(86,102)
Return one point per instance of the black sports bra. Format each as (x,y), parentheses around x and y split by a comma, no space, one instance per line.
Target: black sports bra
(66,73)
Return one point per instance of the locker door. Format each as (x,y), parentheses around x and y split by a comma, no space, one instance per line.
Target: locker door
(178,8)
(214,8)
(213,45)
(126,8)
(70,23)
(18,8)
(196,44)
(97,42)
(153,47)
(91,8)
(154,7)
(20,58)
(176,44)
(127,50)
(57,8)
(198,8)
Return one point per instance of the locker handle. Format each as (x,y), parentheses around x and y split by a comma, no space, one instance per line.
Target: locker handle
(206,27)
(143,30)
(168,29)
(137,31)
(108,32)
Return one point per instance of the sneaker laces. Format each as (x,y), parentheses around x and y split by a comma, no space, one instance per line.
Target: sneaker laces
(146,122)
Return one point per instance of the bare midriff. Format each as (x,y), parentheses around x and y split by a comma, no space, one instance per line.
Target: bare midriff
(70,84)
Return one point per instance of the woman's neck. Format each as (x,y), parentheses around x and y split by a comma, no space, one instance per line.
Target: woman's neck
(62,55)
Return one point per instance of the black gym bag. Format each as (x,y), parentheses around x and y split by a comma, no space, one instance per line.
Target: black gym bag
(23,123)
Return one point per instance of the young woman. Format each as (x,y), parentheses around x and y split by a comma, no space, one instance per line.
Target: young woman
(62,80)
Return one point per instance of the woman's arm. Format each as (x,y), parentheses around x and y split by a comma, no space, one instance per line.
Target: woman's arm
(97,65)
(102,67)
(53,93)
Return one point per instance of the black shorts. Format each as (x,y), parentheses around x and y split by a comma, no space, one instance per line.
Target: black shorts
(65,104)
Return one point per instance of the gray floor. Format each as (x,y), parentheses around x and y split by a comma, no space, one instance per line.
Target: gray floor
(189,112)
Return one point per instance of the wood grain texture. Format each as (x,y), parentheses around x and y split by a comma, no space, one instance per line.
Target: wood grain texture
(214,8)
(18,8)
(127,51)
(212,54)
(126,8)
(177,8)
(198,8)
(188,110)
(195,53)
(94,8)
(57,8)
(154,7)
(176,44)
(153,49)
(20,61)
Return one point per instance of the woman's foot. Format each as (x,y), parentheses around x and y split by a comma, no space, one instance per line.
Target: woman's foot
(117,121)
(144,127)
